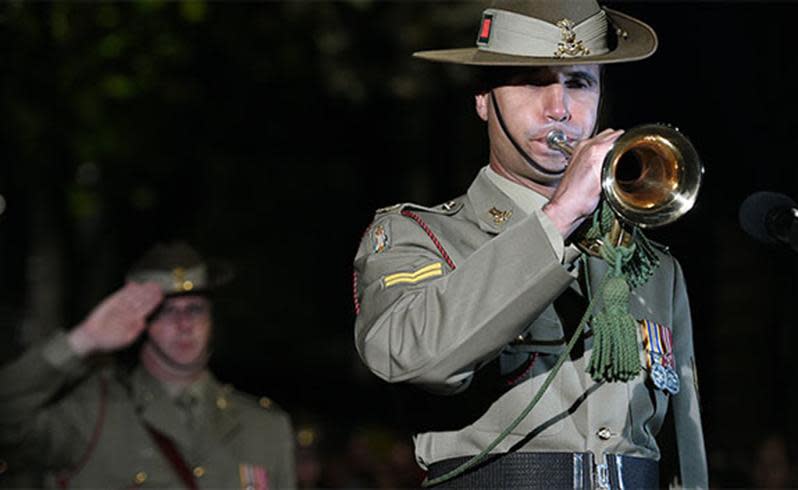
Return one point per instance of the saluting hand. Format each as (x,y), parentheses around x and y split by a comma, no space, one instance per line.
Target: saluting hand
(117,321)
(579,191)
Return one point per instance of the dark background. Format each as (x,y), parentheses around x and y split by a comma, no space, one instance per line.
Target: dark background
(268,133)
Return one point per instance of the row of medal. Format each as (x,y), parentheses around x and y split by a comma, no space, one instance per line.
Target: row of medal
(658,343)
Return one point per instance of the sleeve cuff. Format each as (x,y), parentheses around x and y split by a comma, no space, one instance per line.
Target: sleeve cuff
(60,355)
(567,255)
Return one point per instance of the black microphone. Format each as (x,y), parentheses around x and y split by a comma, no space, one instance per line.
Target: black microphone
(770,217)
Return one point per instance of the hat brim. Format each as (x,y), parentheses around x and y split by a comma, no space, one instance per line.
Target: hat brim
(219,273)
(640,43)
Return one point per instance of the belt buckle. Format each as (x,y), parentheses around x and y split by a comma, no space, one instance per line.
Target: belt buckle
(609,475)
(602,476)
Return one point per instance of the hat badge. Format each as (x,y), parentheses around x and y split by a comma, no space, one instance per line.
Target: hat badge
(180,281)
(569,47)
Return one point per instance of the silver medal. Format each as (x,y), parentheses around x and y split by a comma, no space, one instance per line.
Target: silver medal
(659,376)
(672,381)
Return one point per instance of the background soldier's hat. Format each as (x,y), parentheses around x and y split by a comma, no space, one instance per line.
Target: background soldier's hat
(552,32)
(179,269)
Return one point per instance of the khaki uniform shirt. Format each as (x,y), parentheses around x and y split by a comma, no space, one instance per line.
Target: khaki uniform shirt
(55,419)
(424,322)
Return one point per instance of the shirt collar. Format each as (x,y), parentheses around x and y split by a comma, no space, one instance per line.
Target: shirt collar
(148,386)
(525,198)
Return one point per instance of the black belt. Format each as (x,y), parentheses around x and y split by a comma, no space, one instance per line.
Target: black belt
(552,471)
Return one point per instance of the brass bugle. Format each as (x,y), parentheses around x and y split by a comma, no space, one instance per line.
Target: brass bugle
(650,177)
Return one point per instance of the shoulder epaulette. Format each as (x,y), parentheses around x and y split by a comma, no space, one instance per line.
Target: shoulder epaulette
(447,208)
(660,246)
(265,403)
(262,402)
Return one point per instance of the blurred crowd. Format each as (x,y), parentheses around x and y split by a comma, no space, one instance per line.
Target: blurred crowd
(767,464)
(365,457)
(379,457)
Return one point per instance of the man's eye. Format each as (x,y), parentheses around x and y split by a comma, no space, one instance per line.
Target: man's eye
(577,84)
(165,313)
(195,310)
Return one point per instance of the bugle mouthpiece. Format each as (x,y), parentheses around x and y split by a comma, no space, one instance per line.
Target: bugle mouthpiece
(557,140)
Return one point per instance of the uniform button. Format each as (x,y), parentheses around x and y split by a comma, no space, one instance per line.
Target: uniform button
(265,402)
(604,433)
(140,478)
(199,471)
(221,402)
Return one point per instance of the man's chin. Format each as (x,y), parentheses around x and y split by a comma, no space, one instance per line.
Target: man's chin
(187,362)
(552,174)
(547,164)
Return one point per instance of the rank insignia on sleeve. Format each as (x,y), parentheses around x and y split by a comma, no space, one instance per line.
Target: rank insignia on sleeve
(658,344)
(253,477)
(432,270)
(379,239)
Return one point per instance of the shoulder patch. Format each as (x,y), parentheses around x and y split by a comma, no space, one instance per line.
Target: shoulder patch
(379,239)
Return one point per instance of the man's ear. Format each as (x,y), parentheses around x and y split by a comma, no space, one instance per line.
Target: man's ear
(481,102)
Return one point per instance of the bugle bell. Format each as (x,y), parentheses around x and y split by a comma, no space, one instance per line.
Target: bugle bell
(649,178)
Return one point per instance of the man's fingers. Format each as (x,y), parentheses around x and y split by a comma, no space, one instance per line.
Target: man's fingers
(609,135)
(141,298)
(148,295)
(606,131)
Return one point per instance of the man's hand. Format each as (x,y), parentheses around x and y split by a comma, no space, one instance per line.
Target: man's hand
(117,321)
(579,191)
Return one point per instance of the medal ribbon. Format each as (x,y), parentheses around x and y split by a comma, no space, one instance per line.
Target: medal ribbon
(253,477)
(654,350)
(667,337)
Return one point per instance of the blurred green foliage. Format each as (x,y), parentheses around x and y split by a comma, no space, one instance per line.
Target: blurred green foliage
(237,126)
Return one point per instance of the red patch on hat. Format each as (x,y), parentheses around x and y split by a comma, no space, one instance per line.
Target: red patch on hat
(484,29)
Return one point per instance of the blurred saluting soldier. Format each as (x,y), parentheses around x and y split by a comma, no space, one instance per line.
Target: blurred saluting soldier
(167,423)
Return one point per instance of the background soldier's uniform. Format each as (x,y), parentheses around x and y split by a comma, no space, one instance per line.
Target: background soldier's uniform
(422,321)
(90,427)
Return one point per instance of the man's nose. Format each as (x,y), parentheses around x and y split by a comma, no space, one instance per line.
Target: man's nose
(184,322)
(556,103)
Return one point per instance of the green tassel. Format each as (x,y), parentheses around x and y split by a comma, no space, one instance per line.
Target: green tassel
(644,261)
(615,356)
